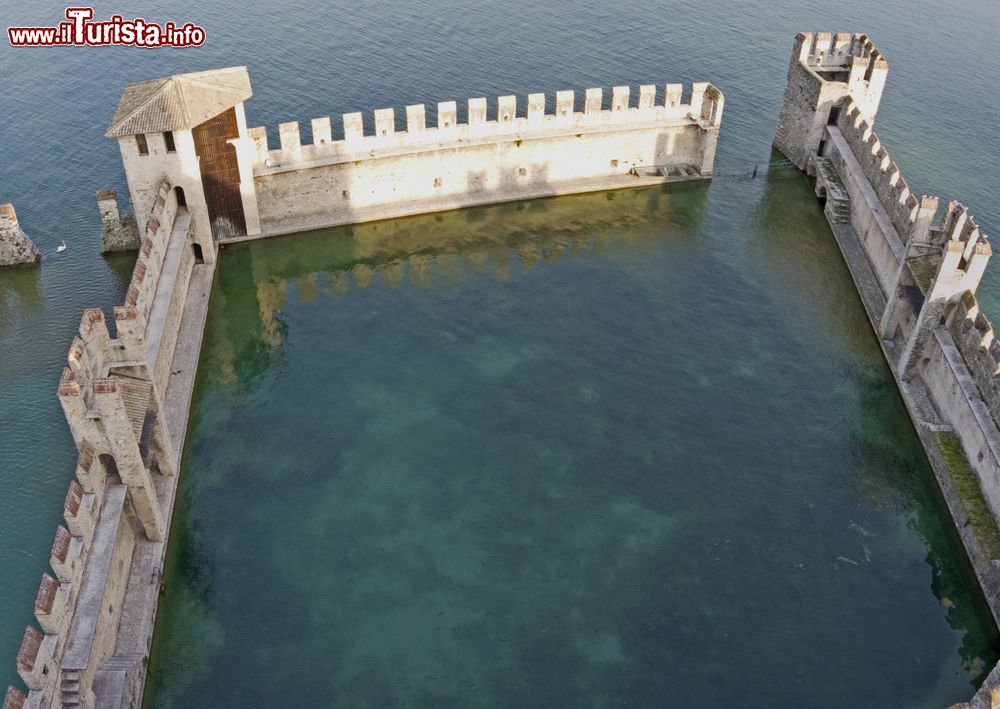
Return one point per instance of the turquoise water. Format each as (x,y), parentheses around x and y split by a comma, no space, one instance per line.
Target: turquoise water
(590,451)
(308,61)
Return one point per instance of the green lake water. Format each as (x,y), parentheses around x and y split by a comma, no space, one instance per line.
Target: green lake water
(614,449)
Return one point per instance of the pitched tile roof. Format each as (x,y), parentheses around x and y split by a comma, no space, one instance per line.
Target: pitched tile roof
(179,102)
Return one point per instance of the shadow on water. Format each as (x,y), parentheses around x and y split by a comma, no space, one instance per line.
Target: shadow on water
(254,278)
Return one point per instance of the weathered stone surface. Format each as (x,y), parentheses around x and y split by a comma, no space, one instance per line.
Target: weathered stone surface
(16,248)
(14,699)
(391,173)
(824,70)
(119,232)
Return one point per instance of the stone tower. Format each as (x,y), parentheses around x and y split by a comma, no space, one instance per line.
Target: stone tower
(824,70)
(191,130)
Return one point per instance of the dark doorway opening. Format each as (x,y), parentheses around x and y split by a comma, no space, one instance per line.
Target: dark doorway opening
(199,257)
(834,116)
(181,199)
(821,150)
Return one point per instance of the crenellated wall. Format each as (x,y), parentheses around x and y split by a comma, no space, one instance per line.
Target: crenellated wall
(112,392)
(825,69)
(881,172)
(354,176)
(976,340)
(917,271)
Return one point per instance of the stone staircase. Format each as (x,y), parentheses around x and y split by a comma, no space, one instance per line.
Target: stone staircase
(69,688)
(120,678)
(839,211)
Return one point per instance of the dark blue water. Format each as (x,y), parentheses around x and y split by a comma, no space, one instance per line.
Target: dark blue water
(308,61)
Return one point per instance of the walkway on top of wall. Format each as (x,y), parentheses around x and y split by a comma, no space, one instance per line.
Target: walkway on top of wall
(120,675)
(165,286)
(878,211)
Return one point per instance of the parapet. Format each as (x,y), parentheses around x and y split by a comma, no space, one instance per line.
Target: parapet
(625,110)
(15,247)
(14,699)
(146,272)
(832,54)
(882,172)
(976,340)
(825,70)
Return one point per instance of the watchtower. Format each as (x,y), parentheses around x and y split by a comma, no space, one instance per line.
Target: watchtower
(824,70)
(191,129)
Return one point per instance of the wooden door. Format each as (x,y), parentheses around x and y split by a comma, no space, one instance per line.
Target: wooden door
(220,174)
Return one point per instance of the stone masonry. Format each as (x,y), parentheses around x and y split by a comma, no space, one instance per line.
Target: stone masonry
(15,247)
(92,606)
(119,232)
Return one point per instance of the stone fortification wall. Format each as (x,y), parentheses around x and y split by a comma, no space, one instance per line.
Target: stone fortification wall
(824,69)
(391,172)
(879,169)
(112,392)
(917,270)
(976,341)
(146,272)
(15,247)
(928,265)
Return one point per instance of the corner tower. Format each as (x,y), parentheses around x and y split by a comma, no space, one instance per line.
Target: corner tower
(191,130)
(825,69)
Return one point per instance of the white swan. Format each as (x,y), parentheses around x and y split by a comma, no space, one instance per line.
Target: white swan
(61,247)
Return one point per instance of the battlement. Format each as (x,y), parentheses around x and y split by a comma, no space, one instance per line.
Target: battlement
(14,699)
(508,148)
(625,109)
(840,56)
(883,173)
(917,278)
(826,70)
(964,249)
(121,438)
(146,272)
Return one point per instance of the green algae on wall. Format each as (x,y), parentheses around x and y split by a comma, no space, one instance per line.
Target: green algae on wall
(976,507)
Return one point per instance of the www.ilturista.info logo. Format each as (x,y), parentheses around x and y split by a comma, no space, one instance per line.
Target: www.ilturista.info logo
(81,31)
